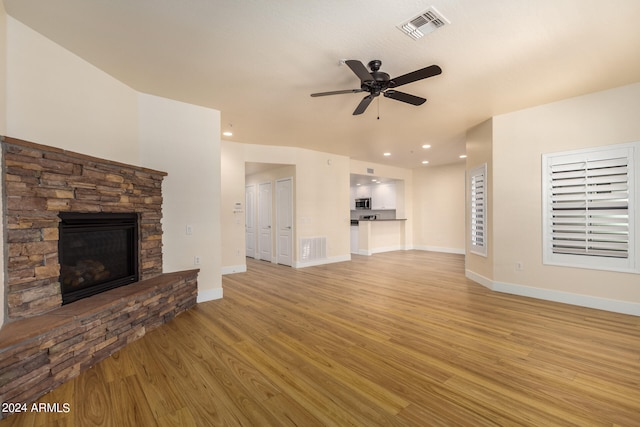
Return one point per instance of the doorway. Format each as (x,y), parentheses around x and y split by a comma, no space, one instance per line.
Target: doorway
(269,221)
(265,206)
(250,220)
(284,216)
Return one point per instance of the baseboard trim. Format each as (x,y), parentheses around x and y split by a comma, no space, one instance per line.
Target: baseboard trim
(209,295)
(616,306)
(387,249)
(329,260)
(231,269)
(459,251)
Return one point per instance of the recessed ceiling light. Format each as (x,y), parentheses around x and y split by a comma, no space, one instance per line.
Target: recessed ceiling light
(227,133)
(387,154)
(424,162)
(426,146)
(463,156)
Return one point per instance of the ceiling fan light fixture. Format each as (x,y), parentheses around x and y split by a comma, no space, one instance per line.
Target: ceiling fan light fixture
(423,24)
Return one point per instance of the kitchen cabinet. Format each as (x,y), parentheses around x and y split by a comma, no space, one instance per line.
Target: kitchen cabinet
(354,239)
(383,196)
(363,191)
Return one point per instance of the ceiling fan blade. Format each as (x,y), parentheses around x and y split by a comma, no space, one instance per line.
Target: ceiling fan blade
(404,97)
(430,71)
(360,70)
(363,105)
(336,92)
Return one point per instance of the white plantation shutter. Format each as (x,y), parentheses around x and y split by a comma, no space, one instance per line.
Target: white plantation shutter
(478,209)
(588,218)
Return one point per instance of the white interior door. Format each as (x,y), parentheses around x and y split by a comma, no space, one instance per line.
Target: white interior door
(284,220)
(265,205)
(250,220)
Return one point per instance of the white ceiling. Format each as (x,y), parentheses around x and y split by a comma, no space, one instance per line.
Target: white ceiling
(258,62)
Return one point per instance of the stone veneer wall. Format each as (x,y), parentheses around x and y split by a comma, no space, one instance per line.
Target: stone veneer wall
(44,344)
(39,182)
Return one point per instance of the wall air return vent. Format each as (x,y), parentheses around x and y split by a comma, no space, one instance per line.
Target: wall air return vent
(425,23)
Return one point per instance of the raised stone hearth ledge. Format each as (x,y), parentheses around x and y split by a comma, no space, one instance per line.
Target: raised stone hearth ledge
(39,353)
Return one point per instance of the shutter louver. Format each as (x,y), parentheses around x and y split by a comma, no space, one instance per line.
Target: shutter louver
(478,210)
(589,207)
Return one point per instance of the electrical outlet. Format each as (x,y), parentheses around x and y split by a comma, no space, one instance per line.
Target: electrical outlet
(196,260)
(189,230)
(519,266)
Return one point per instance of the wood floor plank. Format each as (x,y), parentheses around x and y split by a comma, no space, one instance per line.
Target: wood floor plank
(94,408)
(134,410)
(394,339)
(182,417)
(156,385)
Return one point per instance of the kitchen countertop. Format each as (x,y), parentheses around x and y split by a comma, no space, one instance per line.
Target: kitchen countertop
(355,221)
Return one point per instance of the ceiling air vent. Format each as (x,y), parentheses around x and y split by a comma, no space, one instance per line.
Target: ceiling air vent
(425,23)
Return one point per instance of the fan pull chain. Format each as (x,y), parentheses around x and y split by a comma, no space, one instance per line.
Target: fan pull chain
(378,108)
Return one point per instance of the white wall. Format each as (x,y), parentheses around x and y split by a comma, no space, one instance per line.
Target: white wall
(321,194)
(184,141)
(56,98)
(439,206)
(3,131)
(232,192)
(3,71)
(519,140)
(479,150)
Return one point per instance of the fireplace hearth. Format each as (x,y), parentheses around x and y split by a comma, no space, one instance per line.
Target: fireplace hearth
(97,251)
(75,225)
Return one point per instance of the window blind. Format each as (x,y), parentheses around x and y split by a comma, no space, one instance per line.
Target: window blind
(478,212)
(590,207)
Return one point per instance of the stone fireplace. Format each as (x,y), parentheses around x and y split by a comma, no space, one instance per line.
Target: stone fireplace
(42,182)
(77,230)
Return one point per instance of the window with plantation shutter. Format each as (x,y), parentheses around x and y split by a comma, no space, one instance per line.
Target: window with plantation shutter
(478,209)
(589,198)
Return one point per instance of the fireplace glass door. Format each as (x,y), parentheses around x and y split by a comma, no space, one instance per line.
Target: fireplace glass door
(98,252)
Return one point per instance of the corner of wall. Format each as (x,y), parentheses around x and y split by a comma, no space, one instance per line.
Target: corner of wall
(479,150)
(3,131)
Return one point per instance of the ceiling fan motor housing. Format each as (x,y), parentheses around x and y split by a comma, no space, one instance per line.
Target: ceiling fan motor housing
(380,80)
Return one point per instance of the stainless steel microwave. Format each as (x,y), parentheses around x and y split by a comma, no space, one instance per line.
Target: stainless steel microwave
(364,203)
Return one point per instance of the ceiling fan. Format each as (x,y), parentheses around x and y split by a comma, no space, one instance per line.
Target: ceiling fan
(377,82)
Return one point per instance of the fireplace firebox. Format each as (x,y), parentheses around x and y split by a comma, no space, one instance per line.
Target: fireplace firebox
(97,252)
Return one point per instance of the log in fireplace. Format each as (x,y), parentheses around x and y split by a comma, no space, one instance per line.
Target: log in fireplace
(97,251)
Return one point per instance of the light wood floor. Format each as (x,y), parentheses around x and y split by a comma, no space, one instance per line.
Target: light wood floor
(395,339)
